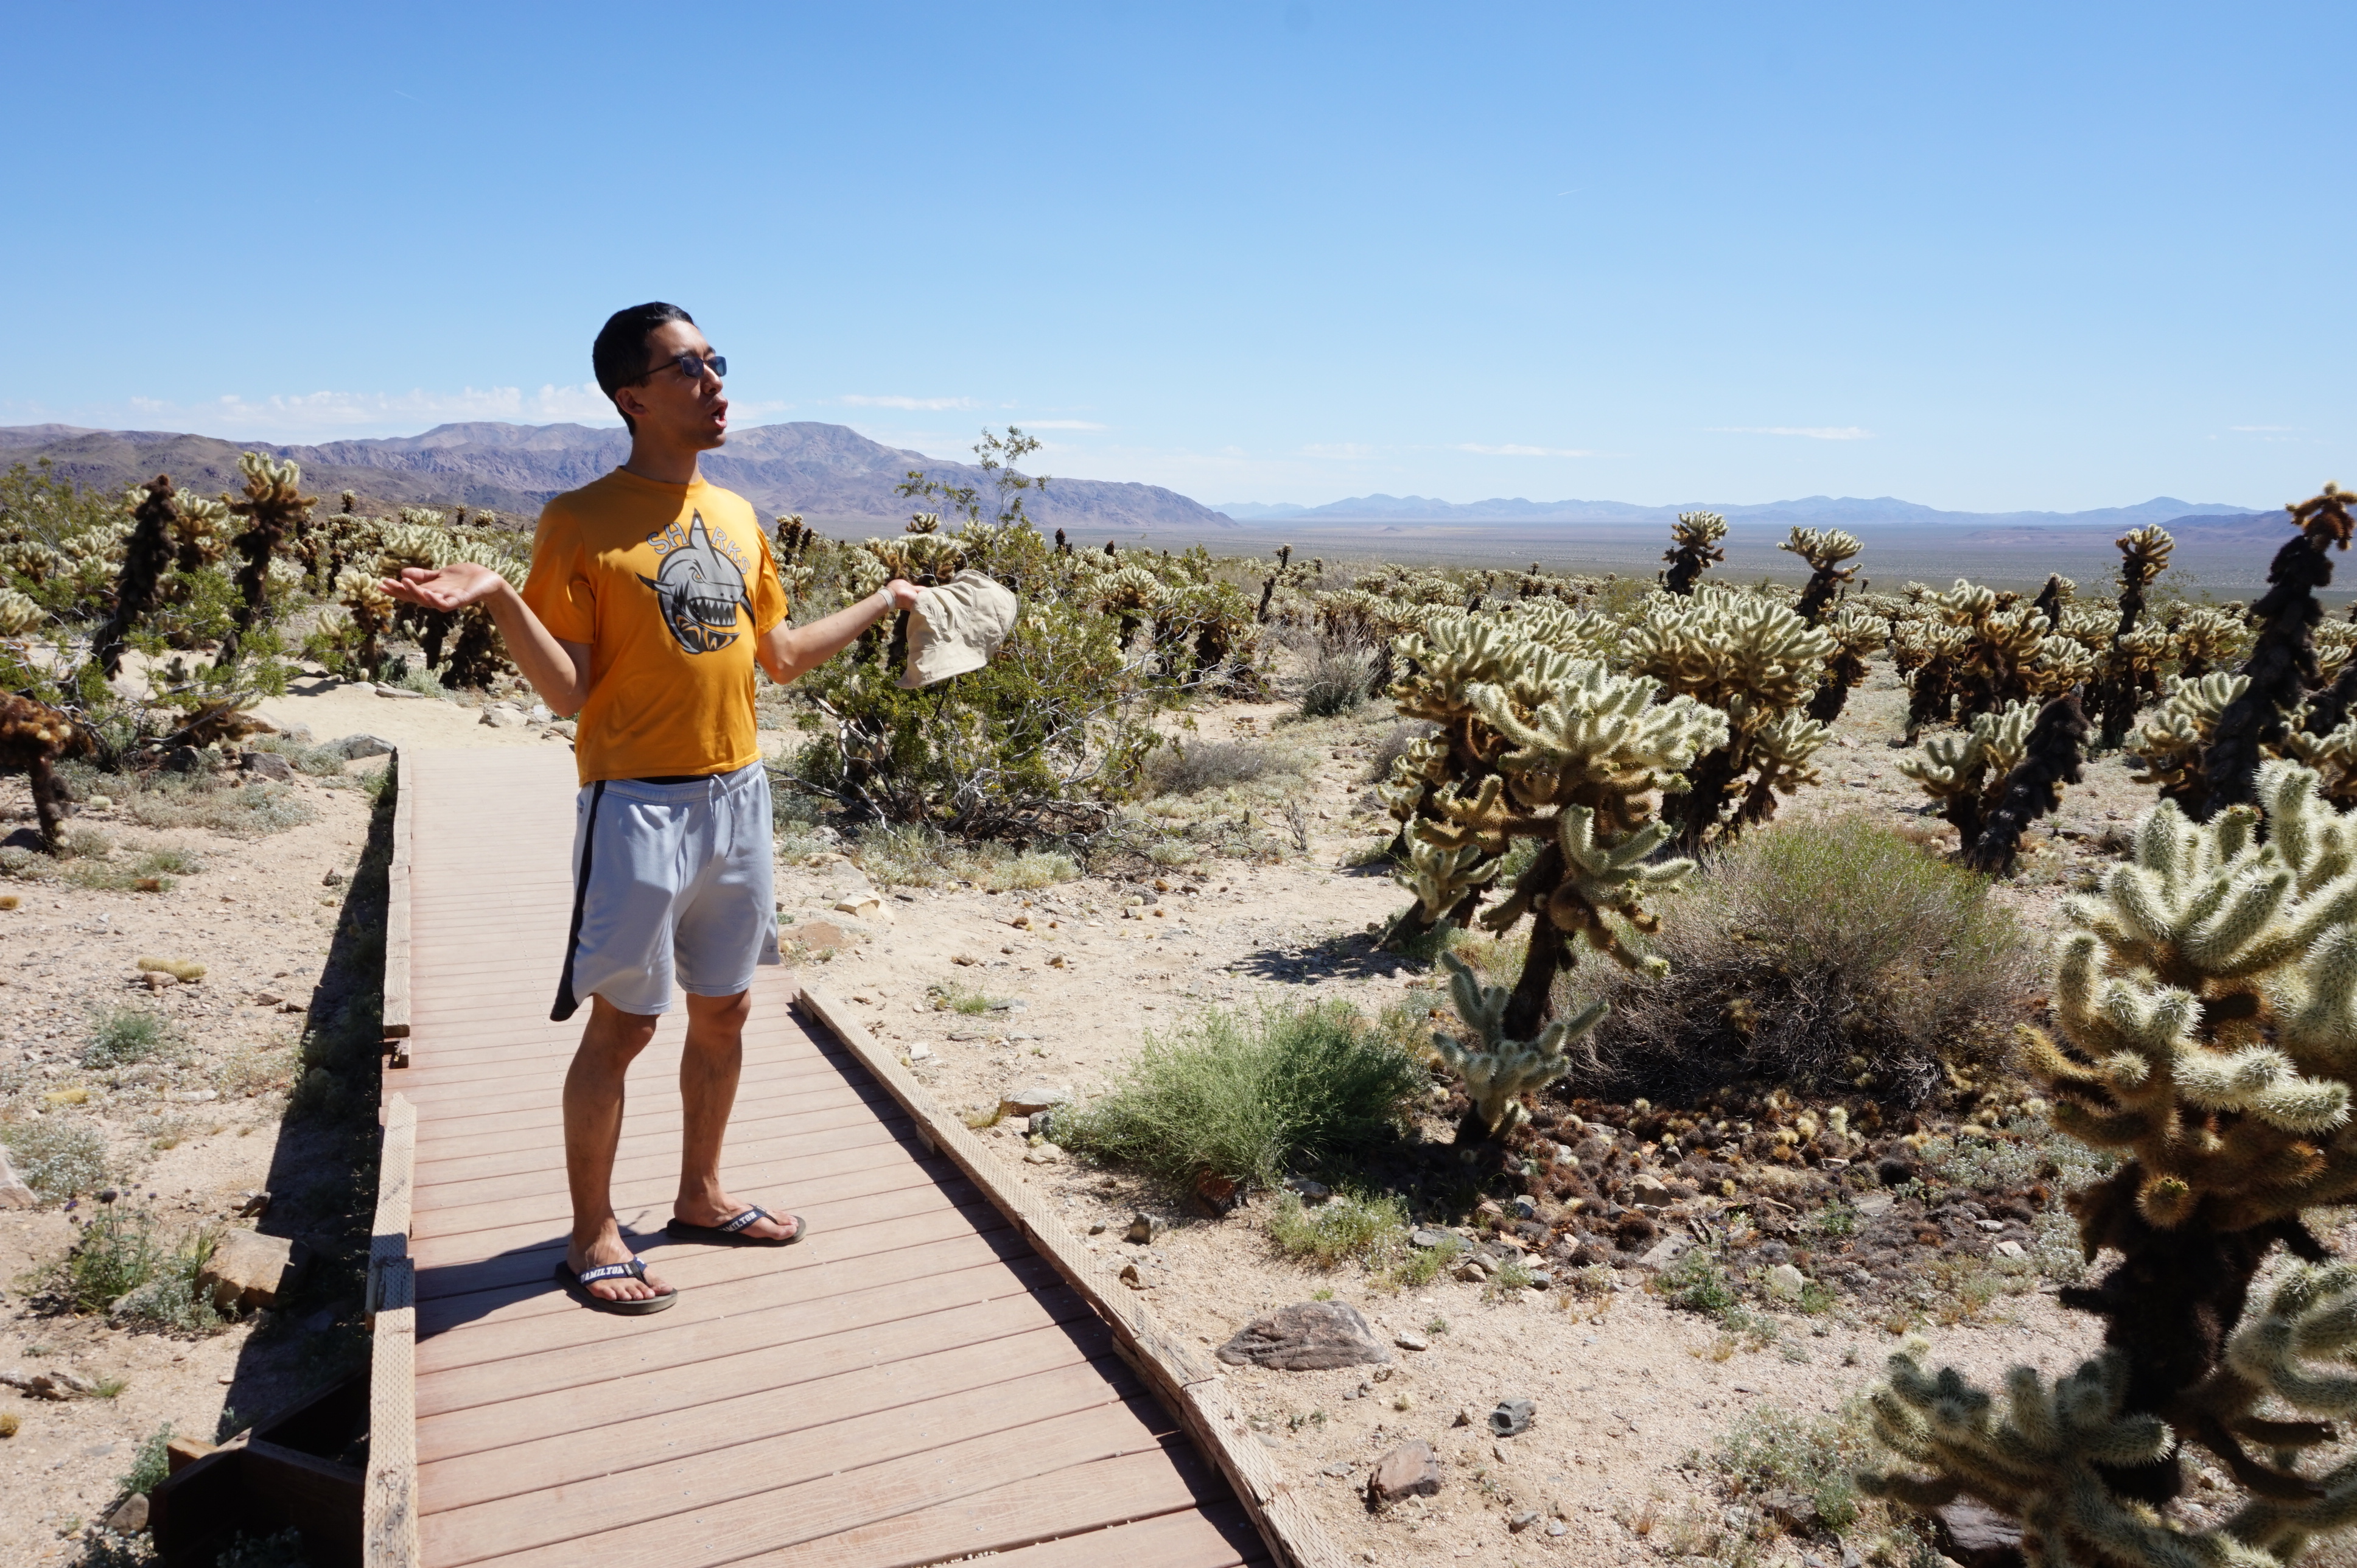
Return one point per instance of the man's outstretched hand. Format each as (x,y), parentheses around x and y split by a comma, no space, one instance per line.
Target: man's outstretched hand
(444,588)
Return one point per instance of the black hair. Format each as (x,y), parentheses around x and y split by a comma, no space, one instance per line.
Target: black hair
(619,357)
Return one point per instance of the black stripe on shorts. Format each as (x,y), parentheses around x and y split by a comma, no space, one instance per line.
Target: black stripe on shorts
(566,1003)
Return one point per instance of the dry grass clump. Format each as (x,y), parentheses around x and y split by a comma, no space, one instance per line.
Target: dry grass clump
(1395,742)
(1347,1227)
(1190,767)
(1831,954)
(1338,681)
(241,810)
(914,855)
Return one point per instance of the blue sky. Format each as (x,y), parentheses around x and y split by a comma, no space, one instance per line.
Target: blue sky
(1985,257)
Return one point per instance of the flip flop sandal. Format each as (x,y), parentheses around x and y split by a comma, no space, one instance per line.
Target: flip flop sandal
(730,1232)
(576,1286)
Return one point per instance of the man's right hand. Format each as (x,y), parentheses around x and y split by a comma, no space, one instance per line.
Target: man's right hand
(444,588)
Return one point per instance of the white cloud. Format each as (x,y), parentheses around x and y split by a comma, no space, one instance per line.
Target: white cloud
(1061,424)
(908,404)
(1522,451)
(1812,431)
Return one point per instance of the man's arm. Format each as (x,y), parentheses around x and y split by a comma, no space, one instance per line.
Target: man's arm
(558,670)
(786,652)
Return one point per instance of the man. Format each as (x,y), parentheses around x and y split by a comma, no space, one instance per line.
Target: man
(652,596)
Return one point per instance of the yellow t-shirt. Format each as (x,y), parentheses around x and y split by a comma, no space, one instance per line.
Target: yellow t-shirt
(669,585)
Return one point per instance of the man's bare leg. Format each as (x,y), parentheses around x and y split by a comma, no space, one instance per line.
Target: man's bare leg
(708,1070)
(593,1127)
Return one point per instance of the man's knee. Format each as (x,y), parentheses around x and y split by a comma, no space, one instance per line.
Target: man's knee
(614,1034)
(718,1014)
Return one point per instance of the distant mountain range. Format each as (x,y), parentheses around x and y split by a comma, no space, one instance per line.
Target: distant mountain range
(1814,511)
(830,473)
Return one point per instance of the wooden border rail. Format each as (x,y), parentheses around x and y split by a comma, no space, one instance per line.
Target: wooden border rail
(1189,1386)
(389,1501)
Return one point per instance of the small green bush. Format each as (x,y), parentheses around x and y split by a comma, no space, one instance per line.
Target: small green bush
(126,1034)
(171,1302)
(1247,1097)
(1770,1450)
(1344,1229)
(1827,954)
(1696,1281)
(914,855)
(119,1251)
(58,1155)
(150,1465)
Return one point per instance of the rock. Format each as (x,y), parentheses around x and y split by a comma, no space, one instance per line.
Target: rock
(58,1385)
(1523,1520)
(1411,1342)
(860,905)
(187,759)
(1309,1191)
(401,693)
(157,979)
(334,878)
(563,727)
(267,764)
(1648,1192)
(1423,1236)
(131,1517)
(1309,1336)
(500,715)
(1513,1417)
(1797,1513)
(1784,1282)
(1410,1470)
(1872,1205)
(1976,1535)
(1556,1526)
(252,1205)
(1464,1417)
(355,746)
(539,713)
(267,999)
(1142,1229)
(1473,1269)
(248,1269)
(1045,1154)
(1662,1253)
(2008,1249)
(13,1193)
(1031,1097)
(921,1052)
(1525,1208)
(816,935)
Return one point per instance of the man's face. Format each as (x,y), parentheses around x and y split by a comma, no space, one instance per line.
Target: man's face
(683,411)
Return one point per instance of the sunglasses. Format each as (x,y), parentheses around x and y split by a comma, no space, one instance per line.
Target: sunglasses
(691,367)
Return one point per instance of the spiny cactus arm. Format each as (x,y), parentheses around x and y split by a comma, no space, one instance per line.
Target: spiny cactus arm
(1440,878)
(1498,1070)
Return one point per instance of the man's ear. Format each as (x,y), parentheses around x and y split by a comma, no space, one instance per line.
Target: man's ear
(628,400)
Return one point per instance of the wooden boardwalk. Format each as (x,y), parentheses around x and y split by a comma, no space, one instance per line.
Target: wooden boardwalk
(930,1375)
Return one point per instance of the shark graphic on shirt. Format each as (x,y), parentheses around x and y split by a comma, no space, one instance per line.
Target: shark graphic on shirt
(700,590)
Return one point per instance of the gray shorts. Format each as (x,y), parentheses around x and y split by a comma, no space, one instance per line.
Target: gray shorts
(669,881)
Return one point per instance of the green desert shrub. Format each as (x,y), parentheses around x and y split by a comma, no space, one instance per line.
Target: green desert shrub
(918,855)
(1821,954)
(1772,1450)
(1346,1228)
(170,1301)
(121,1036)
(119,1250)
(1246,1097)
(249,810)
(150,1463)
(1190,767)
(58,1155)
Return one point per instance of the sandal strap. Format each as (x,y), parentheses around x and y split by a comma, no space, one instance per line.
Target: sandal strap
(633,1270)
(739,1222)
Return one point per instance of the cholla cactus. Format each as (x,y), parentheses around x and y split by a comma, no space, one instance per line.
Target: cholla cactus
(19,612)
(1825,549)
(1499,1070)
(2282,668)
(274,504)
(1693,545)
(33,737)
(2131,668)
(2209,1042)
(1858,635)
(1758,662)
(146,557)
(1964,771)
(1534,744)
(2202,638)
(1926,654)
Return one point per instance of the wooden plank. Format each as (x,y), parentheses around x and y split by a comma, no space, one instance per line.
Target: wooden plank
(1181,1379)
(1220,1536)
(389,1508)
(1096,1498)
(832,1104)
(627,1490)
(396,908)
(835,1500)
(454,1128)
(395,1182)
(955,1274)
(545,1438)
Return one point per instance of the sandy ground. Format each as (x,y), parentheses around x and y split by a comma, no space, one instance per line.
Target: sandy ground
(1626,1389)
